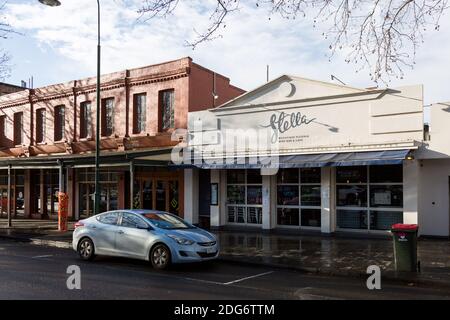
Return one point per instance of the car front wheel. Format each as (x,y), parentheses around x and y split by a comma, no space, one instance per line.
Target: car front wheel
(160,257)
(86,249)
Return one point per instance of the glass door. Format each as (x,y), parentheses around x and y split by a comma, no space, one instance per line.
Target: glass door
(161,195)
(174,203)
(147,194)
(154,193)
(108,197)
(4,201)
(52,199)
(86,200)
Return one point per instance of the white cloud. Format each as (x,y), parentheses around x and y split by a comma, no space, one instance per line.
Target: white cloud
(250,42)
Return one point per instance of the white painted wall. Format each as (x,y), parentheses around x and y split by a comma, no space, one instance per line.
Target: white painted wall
(434,197)
(191,195)
(326,225)
(439,145)
(346,119)
(267,201)
(411,184)
(218,213)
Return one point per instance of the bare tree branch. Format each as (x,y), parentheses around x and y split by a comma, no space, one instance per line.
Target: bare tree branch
(382,35)
(5,30)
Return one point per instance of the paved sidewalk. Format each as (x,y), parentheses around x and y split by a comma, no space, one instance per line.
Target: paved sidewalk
(337,255)
(40,232)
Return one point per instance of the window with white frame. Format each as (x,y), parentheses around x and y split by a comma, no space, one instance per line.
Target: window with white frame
(298,197)
(369,197)
(244,196)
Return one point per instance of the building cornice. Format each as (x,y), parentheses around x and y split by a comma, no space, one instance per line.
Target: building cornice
(36,95)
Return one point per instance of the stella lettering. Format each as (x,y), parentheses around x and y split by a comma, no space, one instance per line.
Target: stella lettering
(283,122)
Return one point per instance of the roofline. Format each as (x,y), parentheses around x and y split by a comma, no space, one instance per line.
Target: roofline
(12,85)
(290,77)
(246,93)
(69,82)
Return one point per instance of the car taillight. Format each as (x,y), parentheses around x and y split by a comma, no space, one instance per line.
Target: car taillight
(79,224)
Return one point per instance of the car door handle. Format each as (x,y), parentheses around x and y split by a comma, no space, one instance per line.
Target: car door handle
(120,232)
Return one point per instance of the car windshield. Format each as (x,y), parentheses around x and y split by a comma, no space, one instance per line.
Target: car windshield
(166,221)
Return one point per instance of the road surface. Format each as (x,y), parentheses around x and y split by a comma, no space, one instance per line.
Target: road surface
(36,272)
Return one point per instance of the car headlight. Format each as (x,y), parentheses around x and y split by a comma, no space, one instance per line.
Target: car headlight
(180,240)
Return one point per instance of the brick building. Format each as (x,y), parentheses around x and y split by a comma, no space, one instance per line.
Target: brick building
(6,88)
(47,139)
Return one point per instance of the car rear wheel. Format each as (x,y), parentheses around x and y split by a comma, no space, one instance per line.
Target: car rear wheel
(86,249)
(160,257)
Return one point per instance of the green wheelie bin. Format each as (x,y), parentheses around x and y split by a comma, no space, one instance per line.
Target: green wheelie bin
(405,246)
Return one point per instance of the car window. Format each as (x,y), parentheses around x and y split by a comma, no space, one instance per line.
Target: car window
(132,221)
(109,218)
(167,221)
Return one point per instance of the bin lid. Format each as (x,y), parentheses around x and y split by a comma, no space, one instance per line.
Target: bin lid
(405,227)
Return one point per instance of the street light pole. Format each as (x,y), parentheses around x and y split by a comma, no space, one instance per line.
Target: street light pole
(55,3)
(97,133)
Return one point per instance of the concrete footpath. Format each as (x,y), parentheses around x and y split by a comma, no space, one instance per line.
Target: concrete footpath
(340,255)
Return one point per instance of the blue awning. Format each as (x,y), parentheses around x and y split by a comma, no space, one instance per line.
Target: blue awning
(309,160)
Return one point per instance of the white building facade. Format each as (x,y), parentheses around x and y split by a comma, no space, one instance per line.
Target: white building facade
(301,154)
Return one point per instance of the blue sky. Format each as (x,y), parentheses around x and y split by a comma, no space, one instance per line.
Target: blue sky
(58,45)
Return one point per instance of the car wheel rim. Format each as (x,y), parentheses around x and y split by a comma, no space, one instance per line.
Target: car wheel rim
(160,256)
(85,249)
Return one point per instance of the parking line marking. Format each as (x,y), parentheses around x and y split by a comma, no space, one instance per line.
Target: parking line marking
(250,277)
(43,256)
(204,281)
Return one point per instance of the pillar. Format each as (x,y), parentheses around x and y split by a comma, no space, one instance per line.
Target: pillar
(60,176)
(28,194)
(218,213)
(132,185)
(9,197)
(411,191)
(43,195)
(269,198)
(71,192)
(122,192)
(327,209)
(191,195)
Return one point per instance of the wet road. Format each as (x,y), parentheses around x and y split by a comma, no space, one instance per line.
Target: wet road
(36,272)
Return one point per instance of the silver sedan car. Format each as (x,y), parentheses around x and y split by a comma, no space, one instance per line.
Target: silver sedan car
(160,237)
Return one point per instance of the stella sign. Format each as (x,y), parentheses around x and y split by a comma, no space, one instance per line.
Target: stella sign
(282,122)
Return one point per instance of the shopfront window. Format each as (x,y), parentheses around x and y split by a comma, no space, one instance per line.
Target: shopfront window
(299,197)
(109,196)
(244,196)
(52,189)
(351,195)
(369,198)
(20,192)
